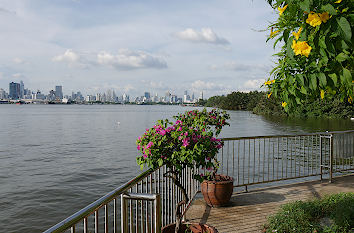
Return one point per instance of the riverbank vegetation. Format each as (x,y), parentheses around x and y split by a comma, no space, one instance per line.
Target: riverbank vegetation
(333,213)
(259,103)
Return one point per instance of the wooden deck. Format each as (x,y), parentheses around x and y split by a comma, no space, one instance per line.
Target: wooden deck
(248,212)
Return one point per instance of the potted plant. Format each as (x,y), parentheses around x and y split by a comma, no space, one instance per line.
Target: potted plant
(189,141)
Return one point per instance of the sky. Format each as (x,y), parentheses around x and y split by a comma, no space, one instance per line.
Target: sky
(133,46)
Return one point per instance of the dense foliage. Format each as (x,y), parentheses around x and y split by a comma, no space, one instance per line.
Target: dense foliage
(306,216)
(236,101)
(190,141)
(332,108)
(262,104)
(316,59)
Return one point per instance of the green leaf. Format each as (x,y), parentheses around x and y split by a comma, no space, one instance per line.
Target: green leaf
(313,82)
(303,90)
(342,57)
(160,162)
(286,35)
(329,8)
(323,79)
(322,42)
(305,5)
(345,28)
(334,78)
(347,75)
(300,79)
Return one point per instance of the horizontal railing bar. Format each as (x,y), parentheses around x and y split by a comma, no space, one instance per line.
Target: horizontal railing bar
(282,179)
(287,135)
(140,196)
(76,217)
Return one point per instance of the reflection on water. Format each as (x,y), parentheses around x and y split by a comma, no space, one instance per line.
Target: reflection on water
(313,124)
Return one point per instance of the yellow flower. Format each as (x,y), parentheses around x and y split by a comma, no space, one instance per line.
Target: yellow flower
(324,17)
(269,82)
(350,99)
(284,104)
(269,95)
(338,1)
(272,34)
(313,19)
(301,48)
(281,10)
(297,34)
(322,94)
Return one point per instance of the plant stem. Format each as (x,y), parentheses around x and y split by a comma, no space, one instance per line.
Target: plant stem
(172,174)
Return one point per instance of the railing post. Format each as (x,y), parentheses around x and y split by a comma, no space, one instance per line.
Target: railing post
(321,161)
(124,217)
(156,198)
(158,211)
(330,158)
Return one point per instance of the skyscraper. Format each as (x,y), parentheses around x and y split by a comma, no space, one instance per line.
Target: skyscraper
(14,89)
(22,89)
(3,94)
(58,92)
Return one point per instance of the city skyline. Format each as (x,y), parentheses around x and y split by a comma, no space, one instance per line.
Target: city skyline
(133,46)
(17,91)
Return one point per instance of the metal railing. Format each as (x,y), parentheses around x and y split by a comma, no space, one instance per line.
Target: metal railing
(257,160)
(250,160)
(104,215)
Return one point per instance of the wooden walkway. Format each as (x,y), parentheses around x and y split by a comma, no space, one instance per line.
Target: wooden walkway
(248,212)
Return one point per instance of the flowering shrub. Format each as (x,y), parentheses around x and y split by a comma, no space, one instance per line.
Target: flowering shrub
(316,59)
(190,141)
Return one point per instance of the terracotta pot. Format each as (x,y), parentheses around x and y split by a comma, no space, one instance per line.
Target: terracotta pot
(192,227)
(219,191)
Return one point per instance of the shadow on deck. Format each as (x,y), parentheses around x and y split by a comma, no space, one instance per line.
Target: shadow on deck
(248,212)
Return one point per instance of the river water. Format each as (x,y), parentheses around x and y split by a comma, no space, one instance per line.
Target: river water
(56,159)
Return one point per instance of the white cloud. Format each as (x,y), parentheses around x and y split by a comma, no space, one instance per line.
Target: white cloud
(18,60)
(202,85)
(235,66)
(206,35)
(126,59)
(69,57)
(254,84)
(17,75)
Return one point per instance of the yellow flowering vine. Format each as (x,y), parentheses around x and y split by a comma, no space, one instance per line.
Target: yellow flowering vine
(301,48)
(282,9)
(297,34)
(324,30)
(315,19)
(269,82)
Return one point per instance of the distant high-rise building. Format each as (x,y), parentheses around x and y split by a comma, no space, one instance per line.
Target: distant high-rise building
(22,89)
(147,95)
(14,91)
(38,96)
(51,96)
(3,94)
(59,92)
(125,98)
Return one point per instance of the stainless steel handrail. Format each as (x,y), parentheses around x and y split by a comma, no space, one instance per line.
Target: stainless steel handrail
(78,216)
(287,135)
(264,159)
